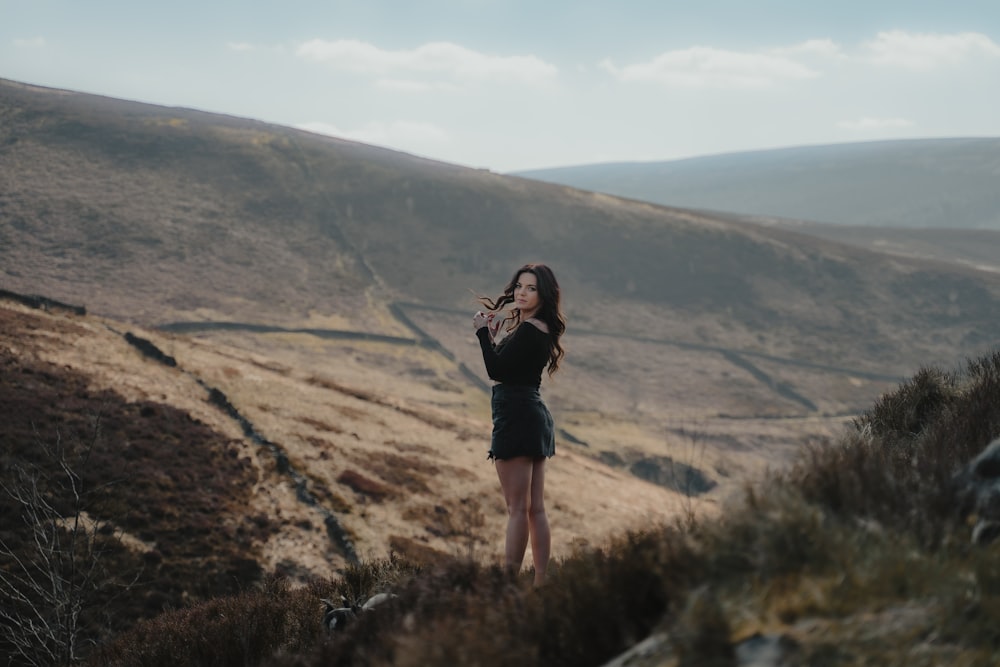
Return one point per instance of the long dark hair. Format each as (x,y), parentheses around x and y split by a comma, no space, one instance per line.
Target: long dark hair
(549,311)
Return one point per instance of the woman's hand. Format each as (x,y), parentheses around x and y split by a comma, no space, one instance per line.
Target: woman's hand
(480,320)
(493,323)
(488,320)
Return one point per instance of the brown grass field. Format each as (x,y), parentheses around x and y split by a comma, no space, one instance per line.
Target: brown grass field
(415,435)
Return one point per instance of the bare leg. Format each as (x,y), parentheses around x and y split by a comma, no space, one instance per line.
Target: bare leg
(538,522)
(523,484)
(515,480)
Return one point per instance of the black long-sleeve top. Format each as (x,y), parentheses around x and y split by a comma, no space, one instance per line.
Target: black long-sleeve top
(519,358)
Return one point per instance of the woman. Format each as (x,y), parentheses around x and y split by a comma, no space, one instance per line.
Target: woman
(523,432)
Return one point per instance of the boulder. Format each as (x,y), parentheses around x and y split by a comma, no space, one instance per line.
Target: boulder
(977,489)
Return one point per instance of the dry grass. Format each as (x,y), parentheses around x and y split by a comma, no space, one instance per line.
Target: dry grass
(174,486)
(393,478)
(853,554)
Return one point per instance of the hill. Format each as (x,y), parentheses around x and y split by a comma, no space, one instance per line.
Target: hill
(314,296)
(859,552)
(227,464)
(879,549)
(688,331)
(157,215)
(941,183)
(976,248)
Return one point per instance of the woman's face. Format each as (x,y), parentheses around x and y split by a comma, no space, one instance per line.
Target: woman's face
(526,295)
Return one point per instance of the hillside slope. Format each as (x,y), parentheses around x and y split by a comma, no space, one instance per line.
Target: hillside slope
(155,214)
(680,322)
(315,469)
(393,472)
(691,336)
(976,248)
(945,183)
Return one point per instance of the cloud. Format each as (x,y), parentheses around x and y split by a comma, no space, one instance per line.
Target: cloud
(868,123)
(814,47)
(405,135)
(434,58)
(705,67)
(240,46)
(924,51)
(32,43)
(709,67)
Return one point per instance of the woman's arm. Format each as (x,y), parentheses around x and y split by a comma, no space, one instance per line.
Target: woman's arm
(526,348)
(488,320)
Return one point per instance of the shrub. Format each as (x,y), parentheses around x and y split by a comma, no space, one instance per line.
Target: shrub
(897,465)
(849,531)
(229,631)
(250,627)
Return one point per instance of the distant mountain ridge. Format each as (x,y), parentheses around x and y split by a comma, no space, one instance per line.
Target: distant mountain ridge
(941,183)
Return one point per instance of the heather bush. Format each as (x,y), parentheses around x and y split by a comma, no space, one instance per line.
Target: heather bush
(897,464)
(229,631)
(859,538)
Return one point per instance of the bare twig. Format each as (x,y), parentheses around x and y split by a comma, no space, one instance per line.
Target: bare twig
(59,570)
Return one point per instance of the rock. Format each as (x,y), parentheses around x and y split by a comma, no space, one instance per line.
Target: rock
(767,651)
(653,651)
(985,532)
(977,491)
(338,617)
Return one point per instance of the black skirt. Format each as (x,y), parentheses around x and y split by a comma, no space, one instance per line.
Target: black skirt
(522,425)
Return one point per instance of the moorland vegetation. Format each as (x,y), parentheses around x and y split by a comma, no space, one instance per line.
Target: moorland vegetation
(858,553)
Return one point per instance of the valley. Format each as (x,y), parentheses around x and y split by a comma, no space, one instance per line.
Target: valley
(325,288)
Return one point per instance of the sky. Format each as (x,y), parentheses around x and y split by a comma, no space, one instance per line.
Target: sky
(513,85)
